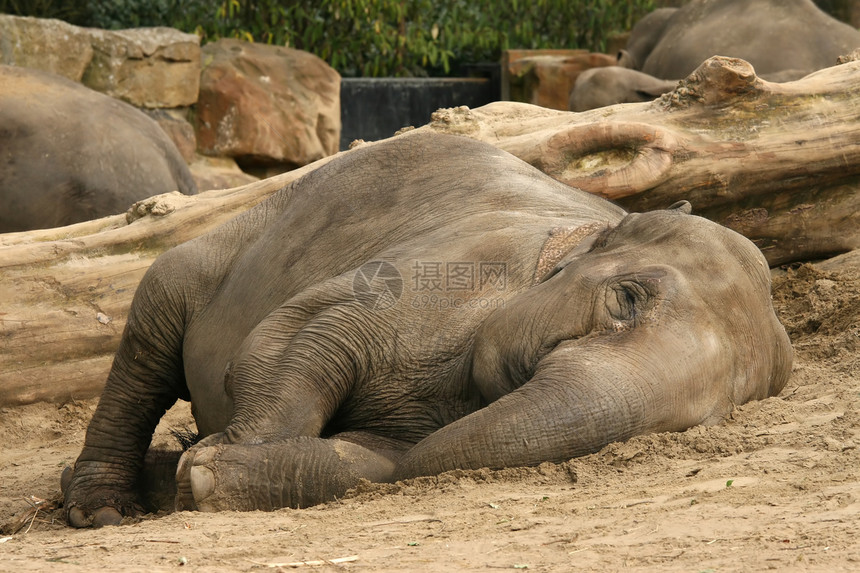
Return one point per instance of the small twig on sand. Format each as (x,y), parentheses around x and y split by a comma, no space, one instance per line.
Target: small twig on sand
(404,521)
(28,516)
(306,563)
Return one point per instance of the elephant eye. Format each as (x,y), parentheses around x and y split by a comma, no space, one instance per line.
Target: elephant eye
(630,300)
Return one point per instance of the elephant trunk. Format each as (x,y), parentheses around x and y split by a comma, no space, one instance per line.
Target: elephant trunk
(584,395)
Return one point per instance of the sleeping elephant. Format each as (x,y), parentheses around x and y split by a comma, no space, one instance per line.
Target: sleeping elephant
(783,40)
(417,305)
(70,154)
(772,35)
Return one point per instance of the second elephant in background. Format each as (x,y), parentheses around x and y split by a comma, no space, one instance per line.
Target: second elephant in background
(784,40)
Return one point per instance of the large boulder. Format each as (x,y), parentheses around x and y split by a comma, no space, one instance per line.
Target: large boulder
(70,154)
(218,173)
(49,45)
(267,105)
(147,67)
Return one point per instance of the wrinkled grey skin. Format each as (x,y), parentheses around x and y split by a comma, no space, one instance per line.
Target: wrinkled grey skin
(70,154)
(772,35)
(643,37)
(599,87)
(303,379)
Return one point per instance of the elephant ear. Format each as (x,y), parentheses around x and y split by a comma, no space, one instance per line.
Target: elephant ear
(563,241)
(682,206)
(625,59)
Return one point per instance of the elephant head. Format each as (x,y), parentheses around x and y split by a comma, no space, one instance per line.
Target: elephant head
(663,322)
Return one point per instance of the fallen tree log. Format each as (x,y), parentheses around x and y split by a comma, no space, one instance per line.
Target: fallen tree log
(65,292)
(777,162)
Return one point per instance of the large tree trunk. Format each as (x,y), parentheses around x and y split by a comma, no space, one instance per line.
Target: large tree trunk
(65,292)
(780,163)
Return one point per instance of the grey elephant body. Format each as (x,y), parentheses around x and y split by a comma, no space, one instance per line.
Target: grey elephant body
(412,307)
(783,41)
(70,154)
(772,35)
(599,87)
(646,33)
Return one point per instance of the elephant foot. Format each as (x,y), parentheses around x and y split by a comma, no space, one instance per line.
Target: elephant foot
(157,483)
(220,481)
(98,518)
(92,500)
(184,500)
(298,472)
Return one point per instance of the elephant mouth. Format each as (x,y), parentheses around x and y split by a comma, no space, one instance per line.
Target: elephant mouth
(548,347)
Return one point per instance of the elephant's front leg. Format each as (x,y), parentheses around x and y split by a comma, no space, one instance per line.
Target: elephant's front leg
(145,380)
(297,472)
(286,386)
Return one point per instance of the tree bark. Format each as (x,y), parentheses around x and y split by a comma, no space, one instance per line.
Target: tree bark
(65,292)
(779,163)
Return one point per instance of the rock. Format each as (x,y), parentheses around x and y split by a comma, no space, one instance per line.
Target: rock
(267,105)
(50,45)
(147,67)
(218,173)
(178,129)
(546,77)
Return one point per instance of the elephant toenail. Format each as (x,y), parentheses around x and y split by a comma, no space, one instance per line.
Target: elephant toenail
(202,483)
(77,518)
(106,516)
(66,478)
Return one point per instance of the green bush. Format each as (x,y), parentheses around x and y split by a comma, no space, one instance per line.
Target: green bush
(381,37)
(73,12)
(418,37)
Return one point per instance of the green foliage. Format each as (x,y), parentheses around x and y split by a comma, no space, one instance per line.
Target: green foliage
(386,37)
(115,14)
(73,12)
(840,9)
(108,14)
(420,37)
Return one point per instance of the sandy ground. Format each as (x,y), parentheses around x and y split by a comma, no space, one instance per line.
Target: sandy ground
(775,487)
